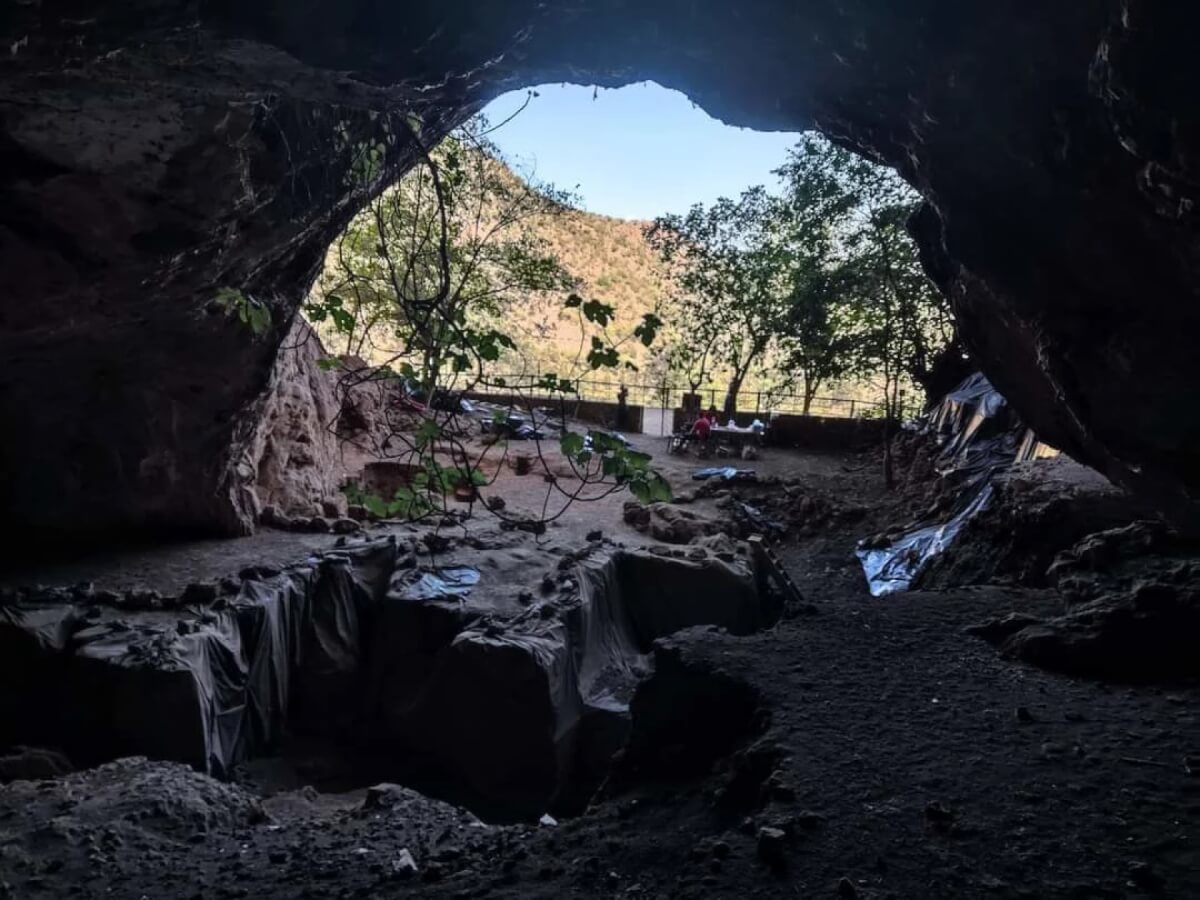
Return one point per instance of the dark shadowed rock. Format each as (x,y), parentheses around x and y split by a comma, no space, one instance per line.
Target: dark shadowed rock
(153,160)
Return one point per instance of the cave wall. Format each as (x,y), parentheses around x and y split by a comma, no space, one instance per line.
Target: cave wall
(154,152)
(143,169)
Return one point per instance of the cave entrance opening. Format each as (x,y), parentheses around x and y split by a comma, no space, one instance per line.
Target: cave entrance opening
(621,255)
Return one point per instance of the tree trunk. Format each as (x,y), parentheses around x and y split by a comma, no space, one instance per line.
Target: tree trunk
(731,396)
(889,418)
(810,394)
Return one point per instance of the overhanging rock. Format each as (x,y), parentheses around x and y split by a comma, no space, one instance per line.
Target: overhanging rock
(152,158)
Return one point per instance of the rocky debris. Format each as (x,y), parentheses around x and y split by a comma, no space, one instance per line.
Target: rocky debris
(999,630)
(134,794)
(772,846)
(687,715)
(517,702)
(318,524)
(1132,598)
(752,776)
(404,866)
(667,523)
(1037,510)
(345,526)
(32,764)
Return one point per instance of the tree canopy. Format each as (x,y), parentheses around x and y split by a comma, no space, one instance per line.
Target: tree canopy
(819,282)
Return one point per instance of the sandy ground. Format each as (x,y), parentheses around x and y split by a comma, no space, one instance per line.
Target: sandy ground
(169,568)
(874,751)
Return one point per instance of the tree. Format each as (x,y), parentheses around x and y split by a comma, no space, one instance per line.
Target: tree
(895,322)
(421,283)
(818,342)
(731,274)
(423,276)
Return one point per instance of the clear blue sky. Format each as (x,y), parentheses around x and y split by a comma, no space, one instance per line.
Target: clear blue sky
(635,152)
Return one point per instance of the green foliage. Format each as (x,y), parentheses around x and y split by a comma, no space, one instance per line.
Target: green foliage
(427,278)
(427,273)
(868,308)
(647,330)
(732,274)
(818,284)
(252,313)
(615,460)
(600,313)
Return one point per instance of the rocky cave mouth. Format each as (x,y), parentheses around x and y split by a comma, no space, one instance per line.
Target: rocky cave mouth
(1076,301)
(149,161)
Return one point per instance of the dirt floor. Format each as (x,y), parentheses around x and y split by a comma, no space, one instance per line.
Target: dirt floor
(860,748)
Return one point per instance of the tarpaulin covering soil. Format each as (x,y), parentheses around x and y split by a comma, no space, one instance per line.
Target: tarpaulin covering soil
(209,687)
(978,436)
(521,706)
(528,711)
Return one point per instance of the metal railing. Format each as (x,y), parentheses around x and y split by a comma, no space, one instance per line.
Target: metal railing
(671,397)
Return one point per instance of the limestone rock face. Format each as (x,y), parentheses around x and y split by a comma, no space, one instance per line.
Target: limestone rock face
(295,461)
(145,165)
(154,154)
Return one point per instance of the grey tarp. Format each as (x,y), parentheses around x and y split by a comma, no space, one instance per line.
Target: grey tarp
(529,712)
(519,707)
(978,435)
(207,688)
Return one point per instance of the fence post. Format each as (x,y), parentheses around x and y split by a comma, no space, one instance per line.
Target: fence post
(757,401)
(852,409)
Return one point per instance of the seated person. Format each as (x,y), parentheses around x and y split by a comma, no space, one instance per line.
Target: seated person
(701,427)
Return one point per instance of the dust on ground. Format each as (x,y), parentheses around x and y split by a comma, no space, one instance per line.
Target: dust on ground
(878,751)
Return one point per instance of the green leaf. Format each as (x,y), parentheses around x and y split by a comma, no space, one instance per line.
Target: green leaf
(571,443)
(600,313)
(427,431)
(660,488)
(327,363)
(376,505)
(572,301)
(637,460)
(648,329)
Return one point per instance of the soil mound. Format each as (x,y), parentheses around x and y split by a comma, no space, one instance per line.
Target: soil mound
(1037,510)
(1132,598)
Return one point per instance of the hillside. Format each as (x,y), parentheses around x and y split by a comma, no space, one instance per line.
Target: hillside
(610,261)
(607,257)
(613,264)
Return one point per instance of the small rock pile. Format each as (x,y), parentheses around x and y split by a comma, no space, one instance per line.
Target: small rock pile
(670,524)
(327,520)
(1132,597)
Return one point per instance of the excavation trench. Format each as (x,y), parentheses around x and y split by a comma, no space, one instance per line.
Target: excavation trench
(510,702)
